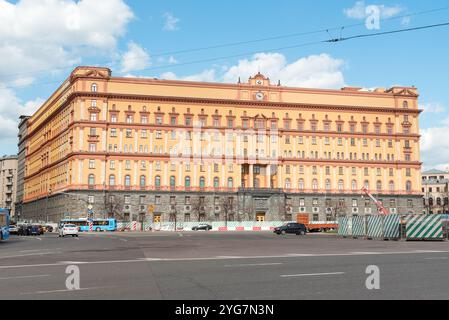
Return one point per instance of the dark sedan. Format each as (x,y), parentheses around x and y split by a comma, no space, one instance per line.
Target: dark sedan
(204,227)
(291,227)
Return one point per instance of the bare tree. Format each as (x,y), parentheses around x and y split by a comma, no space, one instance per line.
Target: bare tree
(227,207)
(174,215)
(338,208)
(247,212)
(114,206)
(197,207)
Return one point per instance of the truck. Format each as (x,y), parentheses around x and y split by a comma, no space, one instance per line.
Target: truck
(316,226)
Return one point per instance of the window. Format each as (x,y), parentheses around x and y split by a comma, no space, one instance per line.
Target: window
(91,180)
(202,183)
(112,180)
(341,186)
(93,117)
(408,186)
(172,182)
(354,185)
(143,181)
(287,184)
(127,199)
(91,164)
(157,200)
(328,185)
(127,181)
(91,199)
(157,181)
(94,87)
(230,183)
(216,182)
(113,133)
(113,118)
(379,186)
(315,184)
(301,184)
(187,182)
(92,147)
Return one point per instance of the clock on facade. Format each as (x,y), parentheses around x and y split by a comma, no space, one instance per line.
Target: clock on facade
(259,82)
(260,96)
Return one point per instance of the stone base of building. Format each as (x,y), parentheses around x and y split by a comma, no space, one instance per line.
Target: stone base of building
(247,205)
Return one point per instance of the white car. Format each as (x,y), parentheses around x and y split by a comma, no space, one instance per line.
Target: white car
(68,230)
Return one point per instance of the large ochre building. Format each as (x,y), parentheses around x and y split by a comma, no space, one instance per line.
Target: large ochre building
(137,148)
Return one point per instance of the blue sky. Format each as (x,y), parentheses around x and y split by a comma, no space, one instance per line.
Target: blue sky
(133,37)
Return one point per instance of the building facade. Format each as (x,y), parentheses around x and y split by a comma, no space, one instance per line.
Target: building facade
(159,150)
(8,183)
(21,158)
(435,190)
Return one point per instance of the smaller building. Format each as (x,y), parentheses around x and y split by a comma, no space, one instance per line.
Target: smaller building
(8,183)
(435,189)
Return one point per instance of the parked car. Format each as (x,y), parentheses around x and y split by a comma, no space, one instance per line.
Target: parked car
(48,228)
(22,230)
(41,229)
(13,229)
(68,230)
(291,227)
(203,226)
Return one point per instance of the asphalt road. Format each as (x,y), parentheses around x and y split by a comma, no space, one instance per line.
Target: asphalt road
(235,266)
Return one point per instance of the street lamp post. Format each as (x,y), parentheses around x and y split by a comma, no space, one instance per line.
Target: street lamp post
(46,205)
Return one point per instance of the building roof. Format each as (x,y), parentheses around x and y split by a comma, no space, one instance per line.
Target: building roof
(434,171)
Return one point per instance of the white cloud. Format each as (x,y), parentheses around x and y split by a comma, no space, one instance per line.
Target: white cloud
(432,108)
(358,11)
(171,22)
(315,71)
(11,108)
(135,59)
(435,146)
(49,34)
(205,76)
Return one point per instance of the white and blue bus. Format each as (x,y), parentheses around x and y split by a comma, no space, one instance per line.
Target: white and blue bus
(97,224)
(4,224)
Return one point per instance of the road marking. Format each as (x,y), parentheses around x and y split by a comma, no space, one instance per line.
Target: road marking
(62,290)
(311,274)
(39,239)
(438,258)
(26,277)
(253,265)
(204,259)
(30,254)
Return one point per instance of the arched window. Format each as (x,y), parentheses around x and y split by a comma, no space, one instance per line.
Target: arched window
(328,185)
(430,201)
(143,181)
(187,182)
(172,182)
(391,186)
(127,181)
(94,87)
(301,184)
(341,185)
(315,184)
(91,180)
(366,184)
(202,182)
(230,183)
(408,186)
(216,182)
(112,180)
(379,186)
(438,201)
(354,185)
(157,181)
(288,184)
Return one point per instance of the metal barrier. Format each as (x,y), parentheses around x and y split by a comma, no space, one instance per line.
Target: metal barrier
(424,227)
(410,227)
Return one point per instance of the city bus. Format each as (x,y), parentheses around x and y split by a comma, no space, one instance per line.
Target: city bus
(97,224)
(4,224)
